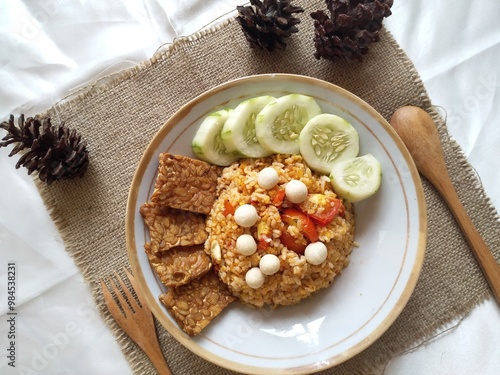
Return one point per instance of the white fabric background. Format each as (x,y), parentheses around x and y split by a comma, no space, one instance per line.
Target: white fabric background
(49,49)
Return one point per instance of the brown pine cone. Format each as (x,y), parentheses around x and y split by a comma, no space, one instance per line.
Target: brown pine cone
(267,24)
(351,27)
(56,153)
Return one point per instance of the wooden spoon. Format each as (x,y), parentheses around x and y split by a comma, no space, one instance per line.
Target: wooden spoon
(419,133)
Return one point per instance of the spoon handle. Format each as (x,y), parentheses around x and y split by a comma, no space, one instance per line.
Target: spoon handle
(485,259)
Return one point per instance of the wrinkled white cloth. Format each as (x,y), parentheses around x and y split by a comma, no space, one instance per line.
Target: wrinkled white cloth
(50,49)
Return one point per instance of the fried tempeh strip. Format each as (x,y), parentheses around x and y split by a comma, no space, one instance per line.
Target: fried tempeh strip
(196,304)
(169,227)
(179,265)
(185,183)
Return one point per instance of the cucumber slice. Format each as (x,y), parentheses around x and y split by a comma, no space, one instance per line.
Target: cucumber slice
(356,179)
(280,122)
(238,133)
(327,139)
(207,143)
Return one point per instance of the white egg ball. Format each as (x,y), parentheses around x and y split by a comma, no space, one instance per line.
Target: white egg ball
(268,178)
(255,278)
(316,253)
(269,264)
(296,191)
(246,245)
(246,215)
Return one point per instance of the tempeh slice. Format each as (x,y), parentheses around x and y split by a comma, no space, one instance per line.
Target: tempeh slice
(196,304)
(185,183)
(169,227)
(180,265)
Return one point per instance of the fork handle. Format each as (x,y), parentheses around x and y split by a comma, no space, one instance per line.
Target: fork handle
(153,351)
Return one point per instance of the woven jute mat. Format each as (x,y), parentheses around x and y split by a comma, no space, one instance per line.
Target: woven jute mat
(120,117)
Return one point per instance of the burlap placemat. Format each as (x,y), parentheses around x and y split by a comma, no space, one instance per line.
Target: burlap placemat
(120,117)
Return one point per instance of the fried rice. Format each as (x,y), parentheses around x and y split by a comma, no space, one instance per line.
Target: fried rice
(296,279)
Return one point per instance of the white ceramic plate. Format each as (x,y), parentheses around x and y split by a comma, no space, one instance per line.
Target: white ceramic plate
(340,321)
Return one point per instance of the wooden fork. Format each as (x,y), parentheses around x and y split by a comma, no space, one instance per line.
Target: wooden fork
(136,320)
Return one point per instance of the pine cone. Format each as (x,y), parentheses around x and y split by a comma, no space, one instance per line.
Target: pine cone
(269,24)
(56,153)
(353,25)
